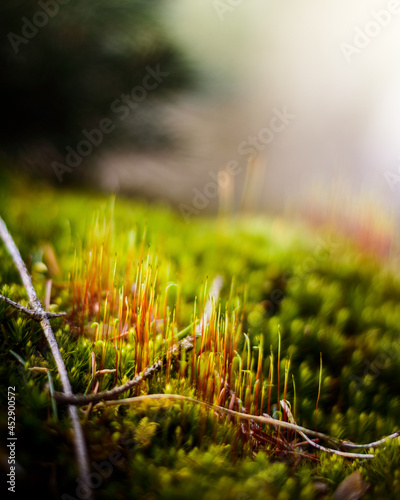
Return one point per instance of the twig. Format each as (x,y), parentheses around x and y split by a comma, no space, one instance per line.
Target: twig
(318,446)
(338,442)
(374,444)
(242,416)
(213,298)
(77,399)
(47,298)
(35,315)
(79,440)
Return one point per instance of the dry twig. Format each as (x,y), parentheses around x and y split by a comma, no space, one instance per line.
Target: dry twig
(243,416)
(43,316)
(35,315)
(77,399)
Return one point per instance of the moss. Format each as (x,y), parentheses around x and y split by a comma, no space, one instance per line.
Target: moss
(321,297)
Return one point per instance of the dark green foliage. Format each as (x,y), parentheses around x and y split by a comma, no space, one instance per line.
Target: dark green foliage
(65,78)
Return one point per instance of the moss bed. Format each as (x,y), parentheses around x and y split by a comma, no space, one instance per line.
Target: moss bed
(302,315)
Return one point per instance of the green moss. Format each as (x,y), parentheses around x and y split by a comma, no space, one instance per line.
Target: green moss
(322,297)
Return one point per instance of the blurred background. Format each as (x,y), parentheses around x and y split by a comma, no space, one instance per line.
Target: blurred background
(303,97)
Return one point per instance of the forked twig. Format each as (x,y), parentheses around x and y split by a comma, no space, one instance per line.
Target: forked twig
(345,444)
(31,313)
(43,317)
(243,416)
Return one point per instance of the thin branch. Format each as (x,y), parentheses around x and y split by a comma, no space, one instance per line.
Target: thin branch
(215,290)
(79,440)
(77,399)
(374,444)
(338,442)
(47,297)
(35,315)
(242,416)
(316,445)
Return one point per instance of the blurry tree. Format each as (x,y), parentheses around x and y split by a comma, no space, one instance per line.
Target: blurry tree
(60,76)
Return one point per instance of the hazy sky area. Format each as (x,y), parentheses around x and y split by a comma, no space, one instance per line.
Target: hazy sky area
(332,66)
